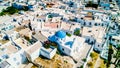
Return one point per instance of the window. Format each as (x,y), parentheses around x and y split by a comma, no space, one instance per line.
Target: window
(14,59)
(113,39)
(43,20)
(102,24)
(5,56)
(98,45)
(110,0)
(18,63)
(63,49)
(89,31)
(95,24)
(90,23)
(21,55)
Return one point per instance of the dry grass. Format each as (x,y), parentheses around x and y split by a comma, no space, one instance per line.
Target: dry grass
(57,62)
(34,67)
(3,41)
(102,65)
(93,61)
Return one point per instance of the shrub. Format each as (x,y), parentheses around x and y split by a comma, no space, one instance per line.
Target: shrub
(92,55)
(84,59)
(12,10)
(110,52)
(77,32)
(47,46)
(89,64)
(58,52)
(9,10)
(81,66)
(65,61)
(53,44)
(27,38)
(68,34)
(91,4)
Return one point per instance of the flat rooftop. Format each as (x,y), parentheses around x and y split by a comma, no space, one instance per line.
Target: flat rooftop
(8,49)
(4,19)
(24,22)
(24,32)
(34,47)
(52,24)
(65,25)
(73,41)
(22,43)
(39,36)
(47,50)
(95,31)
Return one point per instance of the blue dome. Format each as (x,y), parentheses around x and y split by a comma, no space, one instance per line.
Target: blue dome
(60,34)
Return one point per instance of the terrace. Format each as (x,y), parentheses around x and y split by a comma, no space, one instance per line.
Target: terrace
(26,33)
(22,43)
(7,49)
(34,47)
(40,36)
(52,25)
(25,22)
(96,31)
(11,49)
(19,28)
(65,26)
(47,50)
(4,64)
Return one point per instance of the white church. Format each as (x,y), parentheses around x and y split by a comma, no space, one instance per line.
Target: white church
(67,45)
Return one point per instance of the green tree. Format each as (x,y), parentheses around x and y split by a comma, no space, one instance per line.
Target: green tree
(77,32)
(84,60)
(110,52)
(9,10)
(90,3)
(117,56)
(68,34)
(92,55)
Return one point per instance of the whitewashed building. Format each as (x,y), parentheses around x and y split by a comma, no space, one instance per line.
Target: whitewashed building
(12,54)
(48,53)
(115,40)
(68,45)
(33,51)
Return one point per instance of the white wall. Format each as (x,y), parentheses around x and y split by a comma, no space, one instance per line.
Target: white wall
(48,55)
(35,55)
(66,50)
(53,53)
(17,59)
